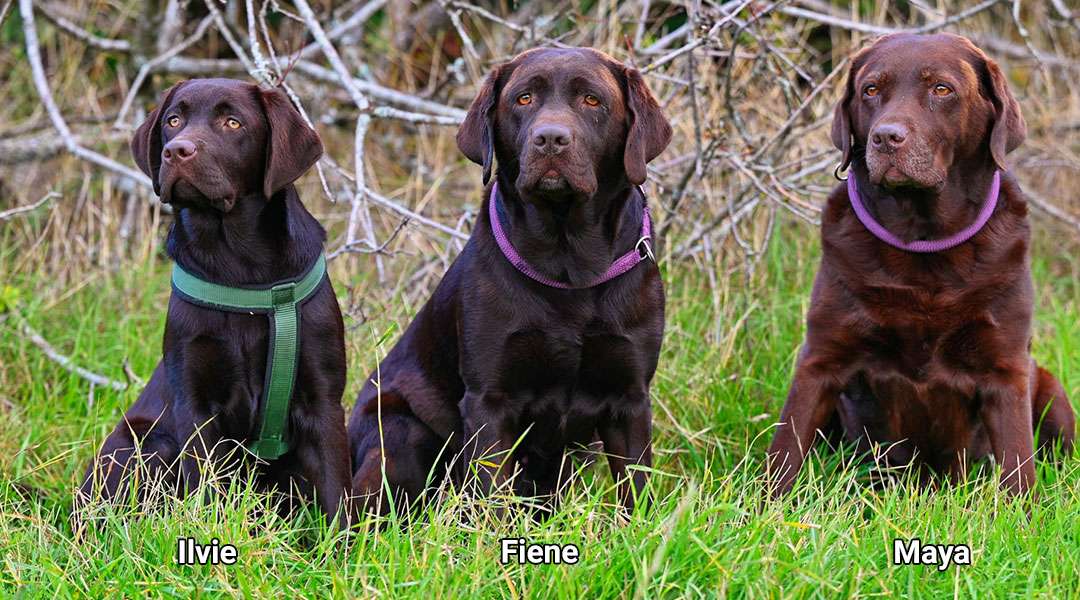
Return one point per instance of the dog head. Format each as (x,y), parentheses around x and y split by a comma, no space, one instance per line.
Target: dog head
(212,141)
(915,105)
(561,121)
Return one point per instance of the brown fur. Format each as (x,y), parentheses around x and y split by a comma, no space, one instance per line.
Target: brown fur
(238,222)
(495,358)
(924,354)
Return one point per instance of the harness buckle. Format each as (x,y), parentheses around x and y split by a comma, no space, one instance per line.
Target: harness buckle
(644,248)
(283,294)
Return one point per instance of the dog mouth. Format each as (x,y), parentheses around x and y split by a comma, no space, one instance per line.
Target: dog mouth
(894,177)
(552,181)
(555,181)
(891,171)
(183,191)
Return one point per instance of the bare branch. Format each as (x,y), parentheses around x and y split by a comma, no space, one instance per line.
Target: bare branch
(18,210)
(149,66)
(35,338)
(78,32)
(41,84)
(360,215)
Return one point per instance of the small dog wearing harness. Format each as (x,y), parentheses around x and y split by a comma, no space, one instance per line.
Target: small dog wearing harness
(253,352)
(545,332)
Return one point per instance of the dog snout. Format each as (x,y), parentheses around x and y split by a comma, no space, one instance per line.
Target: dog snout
(551,139)
(889,137)
(178,151)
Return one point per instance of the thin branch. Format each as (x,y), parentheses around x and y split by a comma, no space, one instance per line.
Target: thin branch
(41,84)
(385,202)
(149,66)
(387,112)
(81,34)
(35,338)
(360,215)
(354,21)
(11,212)
(1054,211)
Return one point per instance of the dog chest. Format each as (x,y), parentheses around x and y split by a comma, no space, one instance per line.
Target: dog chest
(597,361)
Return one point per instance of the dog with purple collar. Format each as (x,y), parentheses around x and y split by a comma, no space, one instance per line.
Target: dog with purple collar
(918,336)
(544,334)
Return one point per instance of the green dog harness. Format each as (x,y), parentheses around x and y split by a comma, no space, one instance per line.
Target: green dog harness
(281,303)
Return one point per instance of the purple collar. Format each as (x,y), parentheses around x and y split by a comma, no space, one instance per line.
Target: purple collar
(925,246)
(624,263)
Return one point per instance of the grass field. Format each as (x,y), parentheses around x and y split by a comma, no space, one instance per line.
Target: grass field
(722,378)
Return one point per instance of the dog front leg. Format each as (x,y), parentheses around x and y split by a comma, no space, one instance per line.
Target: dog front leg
(810,403)
(488,442)
(327,464)
(627,442)
(199,438)
(1006,413)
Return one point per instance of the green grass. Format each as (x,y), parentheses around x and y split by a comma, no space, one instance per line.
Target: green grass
(722,378)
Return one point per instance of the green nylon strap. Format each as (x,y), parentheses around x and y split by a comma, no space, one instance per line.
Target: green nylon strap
(282,304)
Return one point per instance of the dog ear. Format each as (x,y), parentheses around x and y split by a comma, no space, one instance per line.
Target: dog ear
(476,136)
(1009,129)
(146,143)
(649,132)
(291,146)
(841,125)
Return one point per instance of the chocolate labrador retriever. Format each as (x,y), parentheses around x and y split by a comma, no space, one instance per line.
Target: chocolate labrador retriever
(545,331)
(225,155)
(919,328)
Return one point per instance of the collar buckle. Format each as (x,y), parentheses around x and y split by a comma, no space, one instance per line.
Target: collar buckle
(644,248)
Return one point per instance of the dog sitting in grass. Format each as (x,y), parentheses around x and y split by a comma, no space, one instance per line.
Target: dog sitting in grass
(545,332)
(254,351)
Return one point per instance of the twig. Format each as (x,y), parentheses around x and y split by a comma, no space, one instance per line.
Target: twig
(4,10)
(217,66)
(1040,203)
(149,66)
(231,40)
(387,112)
(81,34)
(11,212)
(41,84)
(360,215)
(385,202)
(357,19)
(64,361)
(262,66)
(716,27)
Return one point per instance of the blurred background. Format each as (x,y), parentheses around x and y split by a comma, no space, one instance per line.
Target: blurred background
(748,86)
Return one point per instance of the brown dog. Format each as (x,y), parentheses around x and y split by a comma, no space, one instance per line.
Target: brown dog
(919,327)
(500,366)
(225,155)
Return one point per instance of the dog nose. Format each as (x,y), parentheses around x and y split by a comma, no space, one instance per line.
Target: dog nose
(889,136)
(178,151)
(551,138)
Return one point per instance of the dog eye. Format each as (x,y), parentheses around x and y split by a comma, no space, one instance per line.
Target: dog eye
(870,90)
(592,100)
(232,123)
(524,99)
(173,121)
(942,90)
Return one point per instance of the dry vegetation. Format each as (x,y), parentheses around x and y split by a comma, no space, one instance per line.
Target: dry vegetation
(749,87)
